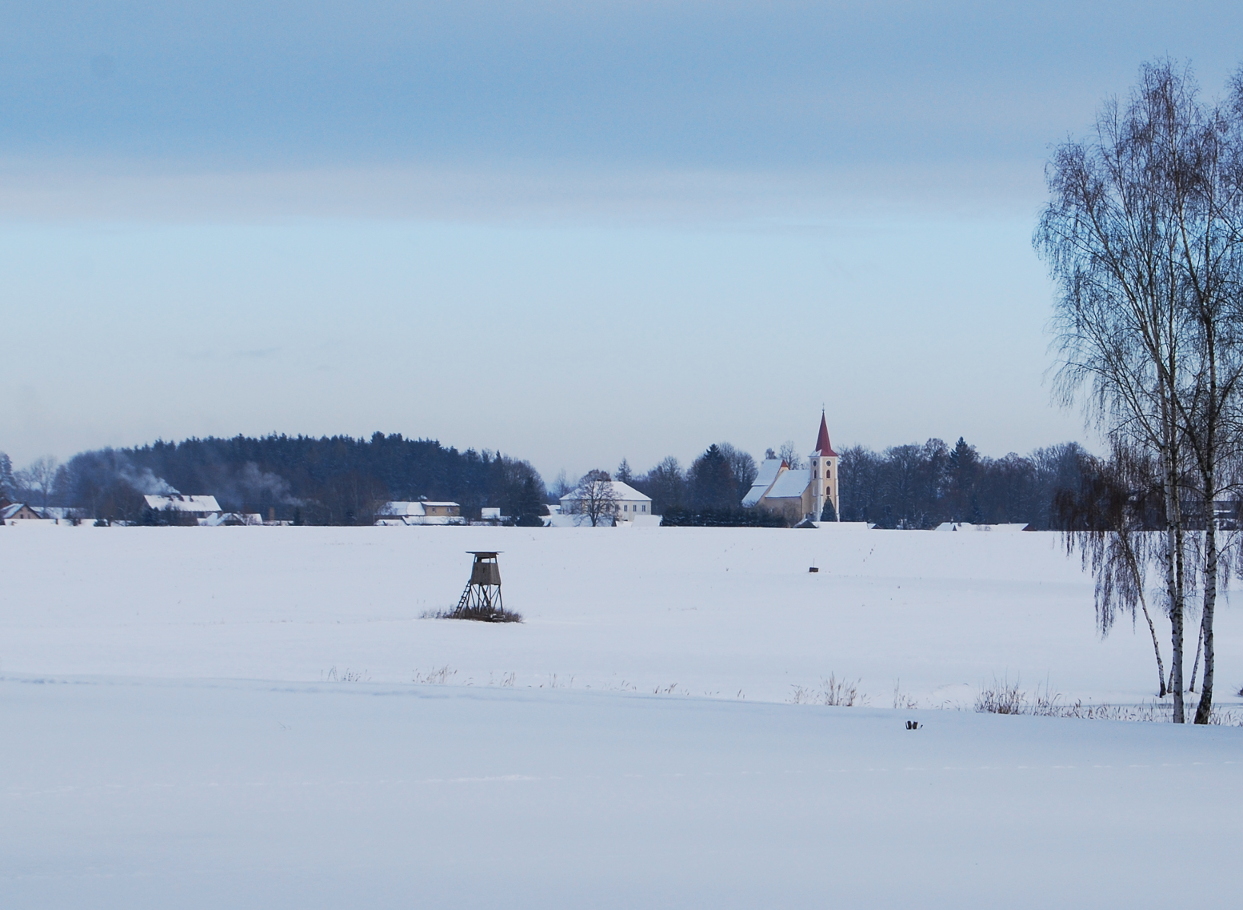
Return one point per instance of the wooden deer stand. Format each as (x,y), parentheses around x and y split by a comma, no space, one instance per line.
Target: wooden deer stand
(482,596)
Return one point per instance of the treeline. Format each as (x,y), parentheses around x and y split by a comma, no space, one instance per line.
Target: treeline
(335,480)
(715,482)
(909,486)
(342,480)
(921,486)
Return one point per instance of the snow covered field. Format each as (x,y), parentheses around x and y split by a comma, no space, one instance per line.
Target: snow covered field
(257,717)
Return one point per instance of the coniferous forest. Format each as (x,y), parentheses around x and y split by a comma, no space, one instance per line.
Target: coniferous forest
(328,480)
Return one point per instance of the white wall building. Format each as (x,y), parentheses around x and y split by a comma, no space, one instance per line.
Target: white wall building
(631,504)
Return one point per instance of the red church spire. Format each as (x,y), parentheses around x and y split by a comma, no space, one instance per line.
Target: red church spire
(822,441)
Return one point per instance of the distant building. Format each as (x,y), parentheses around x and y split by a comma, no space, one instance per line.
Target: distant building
(199,507)
(196,505)
(62,514)
(18,511)
(421,512)
(631,504)
(799,493)
(233,519)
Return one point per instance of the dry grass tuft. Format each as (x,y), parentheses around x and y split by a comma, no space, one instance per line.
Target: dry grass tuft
(475,614)
(833,692)
(1006,698)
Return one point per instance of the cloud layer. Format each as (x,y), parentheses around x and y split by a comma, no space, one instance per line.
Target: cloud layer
(735,86)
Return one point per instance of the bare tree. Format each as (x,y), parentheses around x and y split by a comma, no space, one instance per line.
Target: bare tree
(561,485)
(38,479)
(594,499)
(666,484)
(1209,183)
(789,454)
(742,465)
(1110,233)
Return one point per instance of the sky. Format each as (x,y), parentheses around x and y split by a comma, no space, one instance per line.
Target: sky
(574,233)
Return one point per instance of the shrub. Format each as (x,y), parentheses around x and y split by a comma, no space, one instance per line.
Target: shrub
(476,614)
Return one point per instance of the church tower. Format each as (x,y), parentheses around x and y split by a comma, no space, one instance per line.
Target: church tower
(824,474)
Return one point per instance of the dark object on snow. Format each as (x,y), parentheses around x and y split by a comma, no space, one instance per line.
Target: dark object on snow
(813,569)
(912,725)
(481,599)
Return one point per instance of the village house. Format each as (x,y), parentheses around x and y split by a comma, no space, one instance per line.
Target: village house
(202,508)
(630,503)
(799,494)
(17,511)
(421,512)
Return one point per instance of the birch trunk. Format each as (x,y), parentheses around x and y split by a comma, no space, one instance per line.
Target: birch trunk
(1152,629)
(1174,580)
(1195,664)
(1204,710)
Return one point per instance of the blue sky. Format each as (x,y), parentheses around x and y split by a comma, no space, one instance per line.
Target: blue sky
(571,232)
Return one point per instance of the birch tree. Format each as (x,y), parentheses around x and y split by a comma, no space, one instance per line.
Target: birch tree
(1208,200)
(1110,234)
(1144,236)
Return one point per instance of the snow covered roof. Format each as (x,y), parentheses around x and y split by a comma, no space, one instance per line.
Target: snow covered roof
(181,503)
(627,492)
(622,492)
(400,509)
(769,469)
(11,510)
(790,484)
(754,495)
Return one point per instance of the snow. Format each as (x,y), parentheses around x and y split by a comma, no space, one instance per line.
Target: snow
(398,509)
(790,483)
(968,526)
(230,717)
(179,503)
(714,610)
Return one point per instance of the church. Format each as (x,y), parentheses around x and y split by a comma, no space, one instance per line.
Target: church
(799,493)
